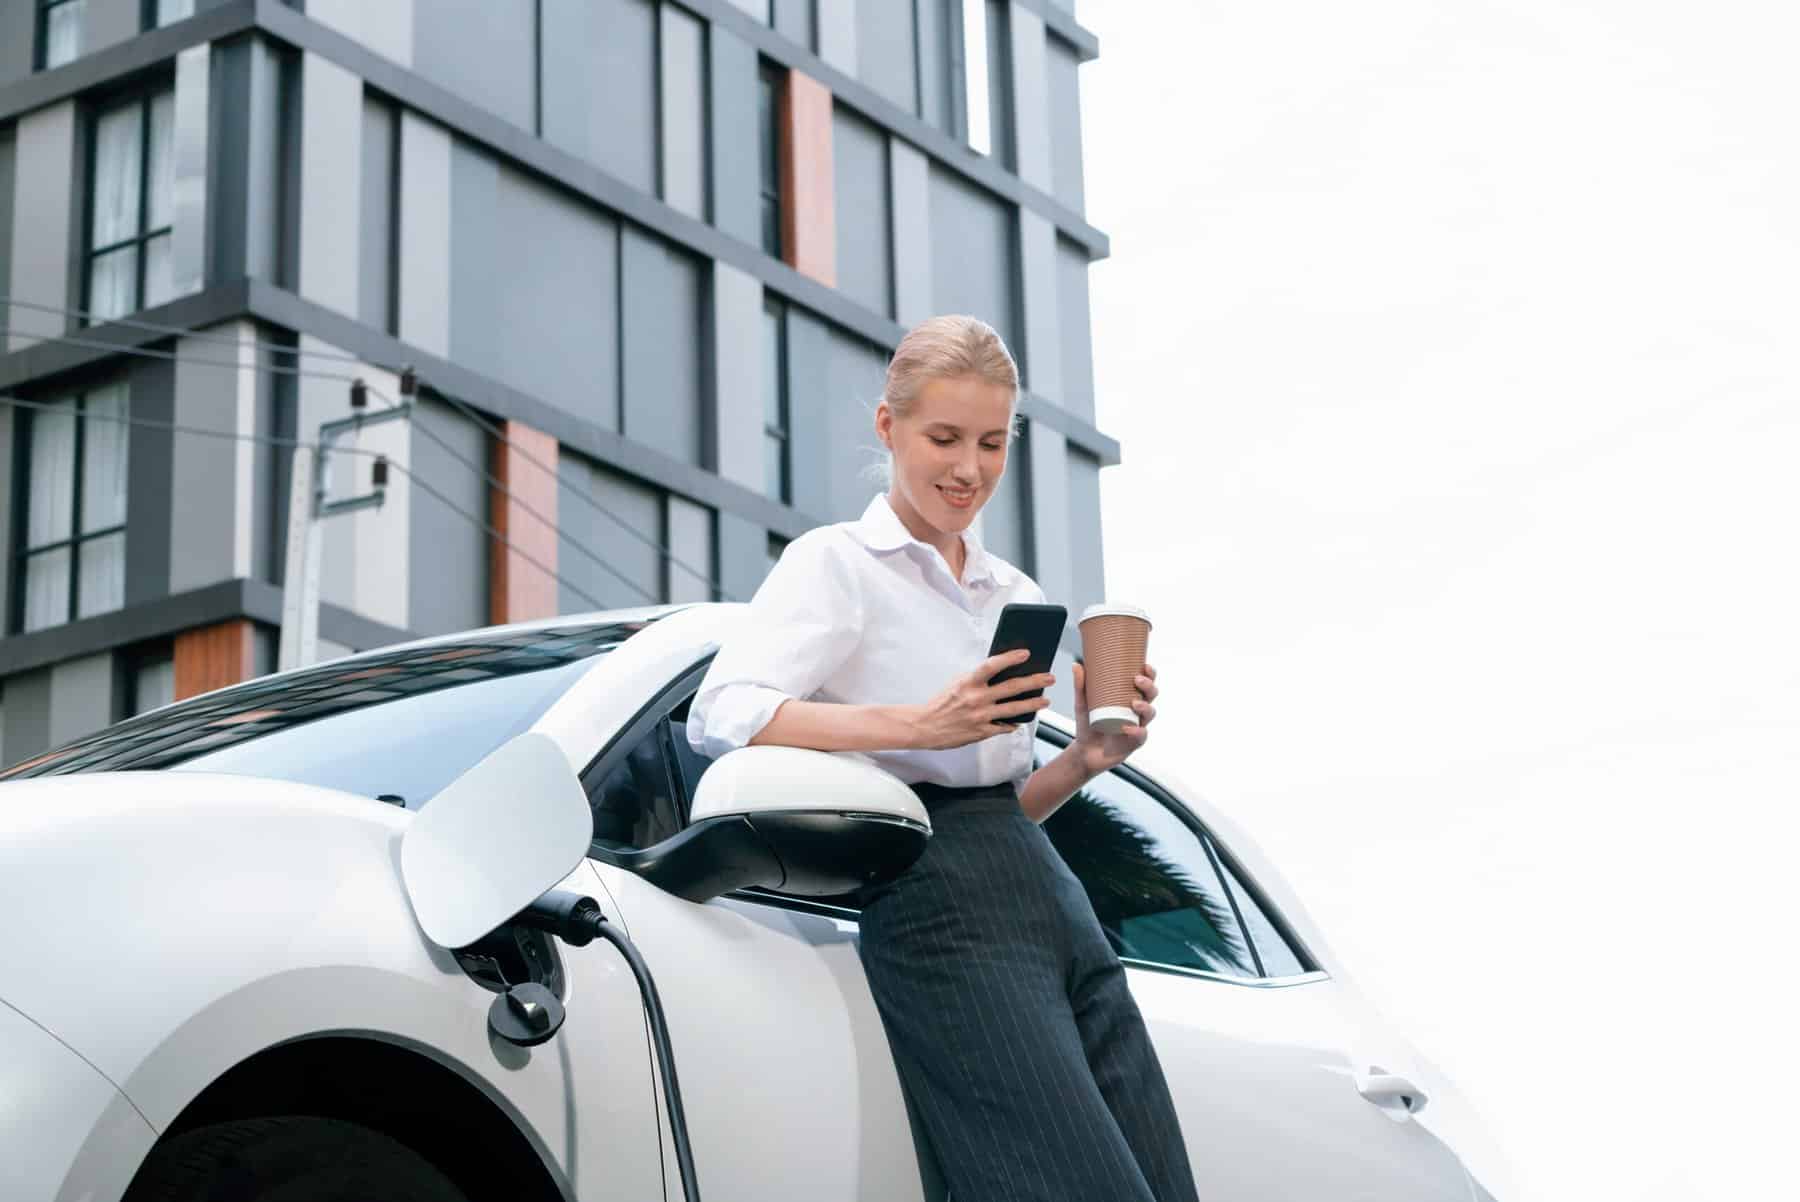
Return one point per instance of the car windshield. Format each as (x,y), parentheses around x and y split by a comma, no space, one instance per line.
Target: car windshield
(397,725)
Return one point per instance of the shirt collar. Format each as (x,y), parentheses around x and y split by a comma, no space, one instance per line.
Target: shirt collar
(880,529)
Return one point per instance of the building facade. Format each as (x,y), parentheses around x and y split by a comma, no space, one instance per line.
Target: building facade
(647,257)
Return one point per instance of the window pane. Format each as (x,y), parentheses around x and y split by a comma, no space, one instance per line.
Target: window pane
(102,567)
(159,270)
(168,11)
(1148,878)
(118,168)
(47,589)
(112,284)
(975,73)
(1278,959)
(154,685)
(161,179)
(62,33)
(772,367)
(634,804)
(103,445)
(49,507)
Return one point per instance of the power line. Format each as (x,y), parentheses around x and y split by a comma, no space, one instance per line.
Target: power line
(301,444)
(662,549)
(179,331)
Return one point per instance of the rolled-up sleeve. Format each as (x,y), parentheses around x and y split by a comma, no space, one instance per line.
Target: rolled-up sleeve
(802,624)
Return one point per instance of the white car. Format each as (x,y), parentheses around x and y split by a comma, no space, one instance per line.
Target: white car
(276,942)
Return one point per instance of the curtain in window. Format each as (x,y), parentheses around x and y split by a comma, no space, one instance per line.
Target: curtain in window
(62,33)
(118,175)
(103,446)
(159,272)
(168,11)
(49,505)
(47,589)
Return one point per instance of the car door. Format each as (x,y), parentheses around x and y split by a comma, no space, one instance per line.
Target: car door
(1254,1040)
(787,1083)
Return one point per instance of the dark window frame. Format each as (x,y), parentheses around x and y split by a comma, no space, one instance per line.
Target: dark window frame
(21,554)
(41,55)
(144,96)
(777,308)
(771,82)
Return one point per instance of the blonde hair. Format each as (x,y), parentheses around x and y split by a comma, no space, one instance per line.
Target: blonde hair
(952,346)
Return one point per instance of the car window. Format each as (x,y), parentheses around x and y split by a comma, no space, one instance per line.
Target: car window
(1276,955)
(1149,878)
(636,800)
(398,725)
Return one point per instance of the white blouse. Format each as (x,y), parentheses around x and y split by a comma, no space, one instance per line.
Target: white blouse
(863,613)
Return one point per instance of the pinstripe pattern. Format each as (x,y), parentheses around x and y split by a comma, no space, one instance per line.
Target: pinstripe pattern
(1010,1022)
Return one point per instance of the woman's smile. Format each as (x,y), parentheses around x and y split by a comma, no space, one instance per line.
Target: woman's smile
(960,498)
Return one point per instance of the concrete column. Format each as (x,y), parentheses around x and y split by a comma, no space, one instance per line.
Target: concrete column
(808,208)
(520,590)
(212,513)
(330,184)
(909,175)
(44,233)
(193,118)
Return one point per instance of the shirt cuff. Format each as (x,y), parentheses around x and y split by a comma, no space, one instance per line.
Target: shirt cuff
(735,716)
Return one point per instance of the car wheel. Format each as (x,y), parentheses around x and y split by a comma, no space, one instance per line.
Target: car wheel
(288,1159)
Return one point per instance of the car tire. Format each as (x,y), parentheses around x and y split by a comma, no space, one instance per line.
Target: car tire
(288,1159)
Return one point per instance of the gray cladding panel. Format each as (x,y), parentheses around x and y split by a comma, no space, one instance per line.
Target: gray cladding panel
(736,171)
(8,416)
(447,555)
(937,81)
(534,287)
(109,22)
(1065,125)
(595,508)
(884,50)
(380,147)
(683,89)
(974,254)
(1075,329)
(857,373)
(149,481)
(662,324)
(600,84)
(1005,529)
(860,169)
(482,52)
(81,697)
(794,21)
(810,439)
(18,38)
(27,715)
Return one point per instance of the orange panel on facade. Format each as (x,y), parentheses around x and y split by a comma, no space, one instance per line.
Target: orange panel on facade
(211,657)
(518,589)
(808,208)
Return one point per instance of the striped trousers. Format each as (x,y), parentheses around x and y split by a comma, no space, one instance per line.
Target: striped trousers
(1016,1039)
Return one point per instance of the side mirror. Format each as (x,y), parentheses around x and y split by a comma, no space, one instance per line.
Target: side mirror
(494,840)
(808,822)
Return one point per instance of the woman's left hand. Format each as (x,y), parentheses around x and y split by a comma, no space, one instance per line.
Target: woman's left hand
(1101,751)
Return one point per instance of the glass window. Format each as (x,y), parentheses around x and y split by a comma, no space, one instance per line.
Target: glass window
(59,31)
(152,682)
(170,11)
(1149,879)
(398,725)
(1275,954)
(132,207)
(777,470)
(768,114)
(72,559)
(636,804)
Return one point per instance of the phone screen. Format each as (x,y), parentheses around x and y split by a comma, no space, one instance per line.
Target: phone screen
(1035,627)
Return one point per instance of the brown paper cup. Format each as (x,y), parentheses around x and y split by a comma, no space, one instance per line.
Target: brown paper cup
(1114,642)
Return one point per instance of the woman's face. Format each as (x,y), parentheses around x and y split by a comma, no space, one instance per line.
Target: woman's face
(950,452)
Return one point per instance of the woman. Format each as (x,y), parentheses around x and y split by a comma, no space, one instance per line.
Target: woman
(1004,1004)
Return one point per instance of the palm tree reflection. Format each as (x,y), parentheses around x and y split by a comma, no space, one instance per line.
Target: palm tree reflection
(1149,906)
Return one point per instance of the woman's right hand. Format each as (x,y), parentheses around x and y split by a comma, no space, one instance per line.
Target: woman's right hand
(966,711)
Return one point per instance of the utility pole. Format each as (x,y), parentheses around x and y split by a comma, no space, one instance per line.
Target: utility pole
(307,510)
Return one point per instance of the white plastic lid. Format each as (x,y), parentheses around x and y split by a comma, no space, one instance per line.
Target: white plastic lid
(1095,611)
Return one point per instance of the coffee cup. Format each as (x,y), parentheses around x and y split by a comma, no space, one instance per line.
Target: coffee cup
(1114,642)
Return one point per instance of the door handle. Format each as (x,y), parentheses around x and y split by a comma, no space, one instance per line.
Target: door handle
(1390,1090)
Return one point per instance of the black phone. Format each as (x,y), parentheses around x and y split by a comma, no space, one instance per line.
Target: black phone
(1038,628)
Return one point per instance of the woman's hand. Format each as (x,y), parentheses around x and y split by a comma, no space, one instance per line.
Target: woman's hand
(1100,751)
(968,709)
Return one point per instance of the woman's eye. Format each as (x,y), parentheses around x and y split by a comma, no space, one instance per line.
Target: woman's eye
(990,447)
(943,442)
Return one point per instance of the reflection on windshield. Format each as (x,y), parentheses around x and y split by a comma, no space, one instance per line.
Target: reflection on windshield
(472,695)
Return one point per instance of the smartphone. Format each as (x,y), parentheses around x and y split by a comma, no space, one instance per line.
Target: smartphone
(1036,627)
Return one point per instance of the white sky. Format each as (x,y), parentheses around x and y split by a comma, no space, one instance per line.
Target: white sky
(1452,349)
